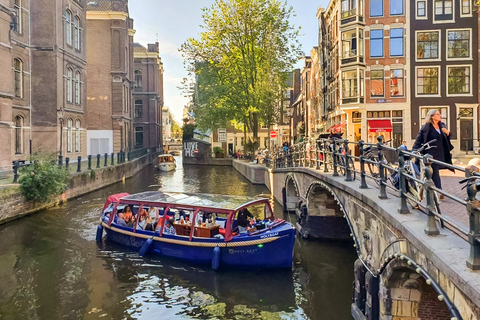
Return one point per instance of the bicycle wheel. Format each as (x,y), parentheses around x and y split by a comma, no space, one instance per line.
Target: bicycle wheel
(351,166)
(374,172)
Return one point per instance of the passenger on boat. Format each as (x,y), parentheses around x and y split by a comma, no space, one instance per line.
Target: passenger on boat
(242,220)
(121,220)
(127,213)
(151,219)
(169,228)
(142,219)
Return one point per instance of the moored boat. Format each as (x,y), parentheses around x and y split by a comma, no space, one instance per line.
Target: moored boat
(205,229)
(166,162)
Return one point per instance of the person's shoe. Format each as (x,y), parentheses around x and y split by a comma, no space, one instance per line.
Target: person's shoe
(441,197)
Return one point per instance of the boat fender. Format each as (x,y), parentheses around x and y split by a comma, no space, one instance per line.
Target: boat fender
(216,258)
(99,233)
(146,246)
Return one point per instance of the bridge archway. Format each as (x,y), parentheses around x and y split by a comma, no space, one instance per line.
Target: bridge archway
(291,195)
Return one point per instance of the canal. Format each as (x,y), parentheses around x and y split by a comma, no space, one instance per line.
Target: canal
(51,267)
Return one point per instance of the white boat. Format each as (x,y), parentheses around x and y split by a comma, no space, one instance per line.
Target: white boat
(166,162)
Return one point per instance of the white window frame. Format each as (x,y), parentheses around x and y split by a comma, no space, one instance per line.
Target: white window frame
(69,134)
(383,84)
(417,95)
(403,83)
(417,17)
(68,27)
(443,21)
(69,87)
(19,125)
(470,94)
(76,32)
(439,45)
(77,135)
(403,42)
(18,11)
(77,81)
(446,45)
(18,73)
(445,119)
(465,15)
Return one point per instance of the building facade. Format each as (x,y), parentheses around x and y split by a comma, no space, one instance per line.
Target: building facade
(109,40)
(147,96)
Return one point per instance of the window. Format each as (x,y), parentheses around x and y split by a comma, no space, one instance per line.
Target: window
(458,44)
(138,79)
(427,45)
(396,42)
(69,85)
(458,80)
(376,79)
(349,8)
(139,136)
(396,83)
(376,8)
(68,27)
(138,108)
(349,44)
(77,88)
(376,43)
(69,135)
(349,84)
(421,9)
(442,110)
(18,70)
(466,9)
(443,9)
(77,136)
(18,135)
(427,81)
(17,6)
(396,7)
(76,33)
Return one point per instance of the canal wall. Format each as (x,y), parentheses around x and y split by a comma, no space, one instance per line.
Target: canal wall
(255,173)
(13,205)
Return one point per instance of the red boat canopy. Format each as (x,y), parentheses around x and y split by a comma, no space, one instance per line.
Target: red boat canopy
(337,126)
(114,198)
(380,126)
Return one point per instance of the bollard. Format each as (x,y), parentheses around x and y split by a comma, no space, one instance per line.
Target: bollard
(325,164)
(431,229)
(129,155)
(112,156)
(381,169)
(402,183)
(106,160)
(79,164)
(348,170)
(118,157)
(98,160)
(89,162)
(67,162)
(334,156)
(60,160)
(363,180)
(473,209)
(16,165)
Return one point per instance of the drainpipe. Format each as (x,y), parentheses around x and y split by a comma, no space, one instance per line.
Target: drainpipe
(30,78)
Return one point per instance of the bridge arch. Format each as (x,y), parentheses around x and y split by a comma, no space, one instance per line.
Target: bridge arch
(291,194)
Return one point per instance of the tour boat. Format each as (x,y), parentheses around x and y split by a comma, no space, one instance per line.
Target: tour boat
(267,243)
(166,162)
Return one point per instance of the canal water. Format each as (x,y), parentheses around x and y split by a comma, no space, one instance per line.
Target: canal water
(51,267)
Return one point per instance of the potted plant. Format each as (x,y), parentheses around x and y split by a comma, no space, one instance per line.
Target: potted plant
(218,152)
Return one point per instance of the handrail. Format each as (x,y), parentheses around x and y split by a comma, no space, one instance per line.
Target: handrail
(322,155)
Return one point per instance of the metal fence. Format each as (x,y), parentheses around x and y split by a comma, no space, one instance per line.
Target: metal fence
(333,155)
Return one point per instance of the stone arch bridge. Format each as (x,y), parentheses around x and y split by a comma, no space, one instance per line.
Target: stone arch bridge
(401,273)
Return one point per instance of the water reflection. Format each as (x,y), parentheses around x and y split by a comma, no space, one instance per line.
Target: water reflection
(52,268)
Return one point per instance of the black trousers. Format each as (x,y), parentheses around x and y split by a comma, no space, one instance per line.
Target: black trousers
(436,176)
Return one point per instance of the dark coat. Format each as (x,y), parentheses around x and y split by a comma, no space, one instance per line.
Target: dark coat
(442,147)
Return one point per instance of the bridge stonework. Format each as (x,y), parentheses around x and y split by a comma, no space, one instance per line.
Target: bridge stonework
(401,273)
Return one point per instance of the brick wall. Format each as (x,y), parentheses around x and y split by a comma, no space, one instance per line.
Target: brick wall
(430,308)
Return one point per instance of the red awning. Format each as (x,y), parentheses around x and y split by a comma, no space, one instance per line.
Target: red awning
(337,126)
(380,126)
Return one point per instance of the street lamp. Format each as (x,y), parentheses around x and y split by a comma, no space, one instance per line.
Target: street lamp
(61,120)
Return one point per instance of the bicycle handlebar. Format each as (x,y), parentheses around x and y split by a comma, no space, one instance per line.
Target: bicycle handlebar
(426,146)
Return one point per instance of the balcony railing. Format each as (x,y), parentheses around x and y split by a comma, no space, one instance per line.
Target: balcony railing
(349,13)
(349,54)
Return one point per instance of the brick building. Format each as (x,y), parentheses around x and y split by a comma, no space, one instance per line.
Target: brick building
(147,96)
(109,40)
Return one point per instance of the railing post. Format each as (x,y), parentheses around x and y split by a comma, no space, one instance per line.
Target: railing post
(431,229)
(112,157)
(348,170)
(317,155)
(118,157)
(473,209)
(98,160)
(60,160)
(402,183)
(89,162)
(79,164)
(67,162)
(325,153)
(106,160)
(381,169)
(15,171)
(363,180)
(334,156)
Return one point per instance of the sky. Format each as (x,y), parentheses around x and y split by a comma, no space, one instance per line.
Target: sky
(172,22)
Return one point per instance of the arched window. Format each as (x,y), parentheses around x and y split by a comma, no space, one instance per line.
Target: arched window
(68,27)
(18,135)
(138,108)
(138,79)
(77,136)
(77,87)
(18,69)
(69,135)
(69,85)
(76,33)
(138,136)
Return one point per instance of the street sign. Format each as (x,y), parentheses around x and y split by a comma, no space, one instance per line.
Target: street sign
(273,134)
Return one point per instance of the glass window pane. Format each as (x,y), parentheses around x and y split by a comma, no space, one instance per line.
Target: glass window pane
(396,42)
(421,12)
(376,8)
(396,7)
(376,43)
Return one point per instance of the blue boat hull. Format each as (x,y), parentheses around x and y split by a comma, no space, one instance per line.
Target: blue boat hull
(268,249)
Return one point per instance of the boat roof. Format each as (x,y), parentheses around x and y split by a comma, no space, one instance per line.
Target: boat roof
(214,202)
(164,155)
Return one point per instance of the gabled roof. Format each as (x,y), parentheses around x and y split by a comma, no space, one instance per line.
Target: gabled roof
(137,47)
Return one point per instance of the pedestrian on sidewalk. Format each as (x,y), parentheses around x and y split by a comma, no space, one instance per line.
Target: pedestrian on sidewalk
(434,128)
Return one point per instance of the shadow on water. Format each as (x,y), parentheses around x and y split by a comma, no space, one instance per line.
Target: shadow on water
(52,268)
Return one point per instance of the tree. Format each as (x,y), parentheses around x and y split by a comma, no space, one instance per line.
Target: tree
(240,62)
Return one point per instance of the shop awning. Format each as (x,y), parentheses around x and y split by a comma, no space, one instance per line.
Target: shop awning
(380,126)
(337,126)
